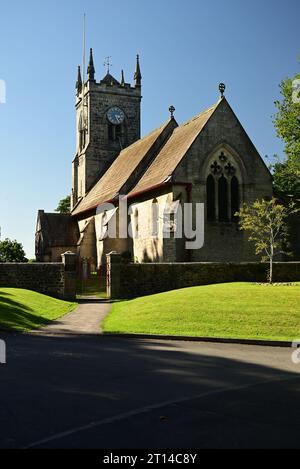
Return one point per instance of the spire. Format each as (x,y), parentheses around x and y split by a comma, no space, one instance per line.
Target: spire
(122,78)
(91,68)
(138,75)
(79,81)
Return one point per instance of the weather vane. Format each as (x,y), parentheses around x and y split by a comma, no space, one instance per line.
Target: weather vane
(107,63)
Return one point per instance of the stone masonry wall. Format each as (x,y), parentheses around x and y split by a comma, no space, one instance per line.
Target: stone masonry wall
(48,279)
(134,280)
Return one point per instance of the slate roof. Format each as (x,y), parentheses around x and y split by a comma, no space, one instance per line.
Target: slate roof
(173,152)
(57,229)
(163,164)
(111,183)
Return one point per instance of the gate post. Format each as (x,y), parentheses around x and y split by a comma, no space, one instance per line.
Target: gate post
(113,275)
(69,260)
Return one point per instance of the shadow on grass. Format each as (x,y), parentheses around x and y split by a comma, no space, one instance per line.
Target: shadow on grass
(15,315)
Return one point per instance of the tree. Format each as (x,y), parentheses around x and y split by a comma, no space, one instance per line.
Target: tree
(287,124)
(286,176)
(64,206)
(12,251)
(266,223)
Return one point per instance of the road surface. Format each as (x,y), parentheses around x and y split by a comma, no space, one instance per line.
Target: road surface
(81,391)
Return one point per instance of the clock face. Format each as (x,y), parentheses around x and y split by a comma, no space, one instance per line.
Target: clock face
(115,115)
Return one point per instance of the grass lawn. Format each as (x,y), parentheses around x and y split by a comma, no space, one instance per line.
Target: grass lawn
(235,310)
(22,310)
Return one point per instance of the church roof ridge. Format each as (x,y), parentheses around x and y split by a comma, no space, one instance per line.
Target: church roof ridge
(164,163)
(174,151)
(119,173)
(161,127)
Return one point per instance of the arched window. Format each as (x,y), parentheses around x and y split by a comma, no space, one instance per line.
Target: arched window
(223,199)
(223,193)
(211,198)
(235,198)
(155,218)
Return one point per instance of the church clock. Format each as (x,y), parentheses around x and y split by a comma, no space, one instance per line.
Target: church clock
(115,116)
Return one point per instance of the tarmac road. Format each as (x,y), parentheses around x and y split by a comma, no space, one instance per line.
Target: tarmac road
(100,392)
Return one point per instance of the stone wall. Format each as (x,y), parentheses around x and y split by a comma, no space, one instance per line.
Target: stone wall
(57,280)
(134,280)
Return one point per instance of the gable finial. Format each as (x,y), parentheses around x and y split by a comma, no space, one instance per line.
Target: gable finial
(172,110)
(222,88)
(91,68)
(137,74)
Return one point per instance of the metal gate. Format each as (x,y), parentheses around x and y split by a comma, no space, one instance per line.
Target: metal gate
(91,282)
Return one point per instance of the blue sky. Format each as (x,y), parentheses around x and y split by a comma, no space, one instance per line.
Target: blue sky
(187,48)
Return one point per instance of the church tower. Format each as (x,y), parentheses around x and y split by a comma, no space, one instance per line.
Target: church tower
(108,120)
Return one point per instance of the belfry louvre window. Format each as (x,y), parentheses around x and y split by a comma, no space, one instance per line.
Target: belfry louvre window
(222,191)
(115,132)
(82,133)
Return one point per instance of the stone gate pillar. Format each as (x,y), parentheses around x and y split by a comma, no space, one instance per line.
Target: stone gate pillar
(69,260)
(113,275)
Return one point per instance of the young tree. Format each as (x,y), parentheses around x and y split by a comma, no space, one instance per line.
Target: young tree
(287,124)
(265,221)
(12,251)
(64,206)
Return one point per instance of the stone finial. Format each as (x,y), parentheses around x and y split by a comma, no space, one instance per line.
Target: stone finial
(137,74)
(79,81)
(172,110)
(222,88)
(91,68)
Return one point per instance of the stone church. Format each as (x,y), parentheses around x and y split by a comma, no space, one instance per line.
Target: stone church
(210,160)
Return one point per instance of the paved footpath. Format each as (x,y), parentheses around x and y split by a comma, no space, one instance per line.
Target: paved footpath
(86,319)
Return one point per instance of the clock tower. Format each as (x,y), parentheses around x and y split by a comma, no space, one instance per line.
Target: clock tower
(108,119)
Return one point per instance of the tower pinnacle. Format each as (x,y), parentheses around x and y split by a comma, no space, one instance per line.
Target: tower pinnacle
(91,68)
(122,78)
(79,81)
(138,75)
